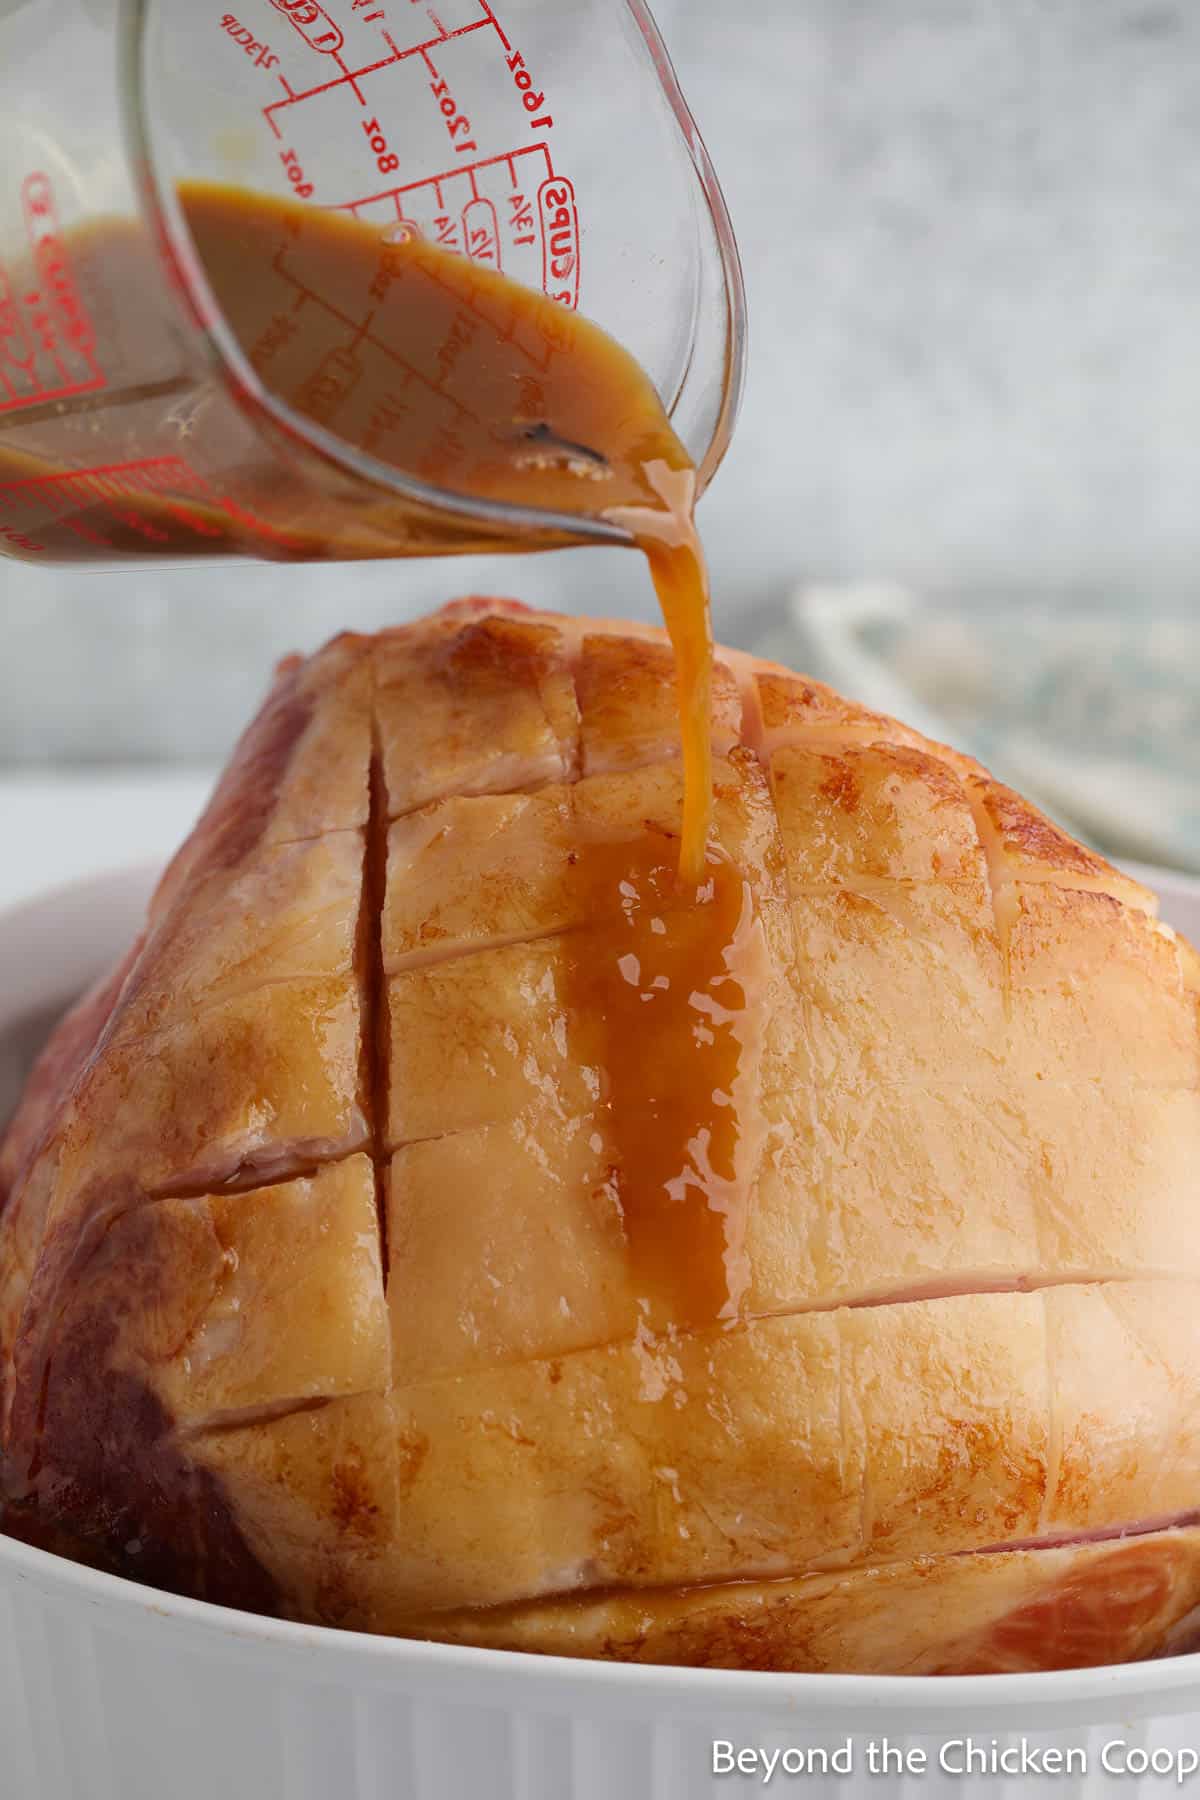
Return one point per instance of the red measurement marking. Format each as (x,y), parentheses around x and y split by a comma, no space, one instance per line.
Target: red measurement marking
(533,98)
(434,182)
(481,233)
(260,54)
(494,21)
(532,220)
(385,160)
(15,343)
(20,540)
(352,79)
(336,375)
(70,501)
(302,189)
(352,76)
(47,343)
(359,330)
(442,216)
(313,23)
(457,124)
(560,240)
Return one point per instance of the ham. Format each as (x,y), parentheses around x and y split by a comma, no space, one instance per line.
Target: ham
(446,1224)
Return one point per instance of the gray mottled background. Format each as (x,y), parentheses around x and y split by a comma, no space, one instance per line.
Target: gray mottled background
(971,232)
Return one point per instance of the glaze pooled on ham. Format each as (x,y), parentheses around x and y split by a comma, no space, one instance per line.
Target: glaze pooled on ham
(447,1224)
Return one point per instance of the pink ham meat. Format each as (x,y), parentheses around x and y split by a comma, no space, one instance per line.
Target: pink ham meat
(317,1292)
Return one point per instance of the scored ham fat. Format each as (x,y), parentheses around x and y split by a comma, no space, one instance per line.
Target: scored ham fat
(443,1224)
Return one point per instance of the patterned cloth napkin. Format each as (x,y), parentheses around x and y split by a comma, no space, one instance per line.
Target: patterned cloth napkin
(1093,714)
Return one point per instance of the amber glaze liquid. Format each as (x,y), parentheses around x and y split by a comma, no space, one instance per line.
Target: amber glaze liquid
(660,1005)
(548,413)
(474,385)
(456,376)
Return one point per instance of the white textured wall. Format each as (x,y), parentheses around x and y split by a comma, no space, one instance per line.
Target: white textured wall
(971,232)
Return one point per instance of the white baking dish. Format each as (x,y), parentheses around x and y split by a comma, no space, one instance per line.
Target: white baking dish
(109,1691)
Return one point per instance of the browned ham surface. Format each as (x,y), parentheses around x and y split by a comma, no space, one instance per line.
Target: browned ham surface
(445,1224)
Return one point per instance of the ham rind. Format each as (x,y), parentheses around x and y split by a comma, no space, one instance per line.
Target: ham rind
(300,769)
(858,1437)
(232,1050)
(1007,1612)
(318,1276)
(24,1199)
(629,703)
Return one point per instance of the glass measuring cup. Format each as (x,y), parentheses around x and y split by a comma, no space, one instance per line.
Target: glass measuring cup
(547,141)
